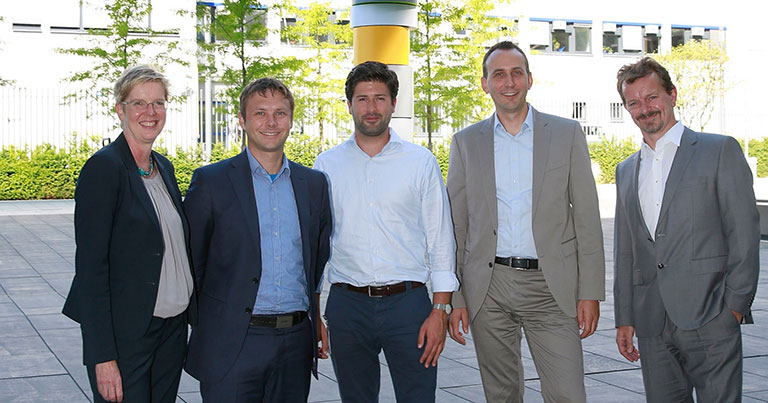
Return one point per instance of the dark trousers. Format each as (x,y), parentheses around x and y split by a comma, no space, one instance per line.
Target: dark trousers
(274,365)
(150,366)
(360,327)
(707,359)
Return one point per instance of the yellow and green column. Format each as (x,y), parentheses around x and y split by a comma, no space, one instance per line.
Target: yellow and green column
(381,32)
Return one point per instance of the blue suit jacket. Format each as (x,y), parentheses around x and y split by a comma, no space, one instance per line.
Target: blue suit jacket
(119,250)
(226,255)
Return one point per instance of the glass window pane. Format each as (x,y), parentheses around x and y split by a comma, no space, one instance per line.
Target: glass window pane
(678,36)
(651,43)
(583,39)
(610,42)
(560,41)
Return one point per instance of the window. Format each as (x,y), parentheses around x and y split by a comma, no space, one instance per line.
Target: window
(617,112)
(561,36)
(683,34)
(630,38)
(579,111)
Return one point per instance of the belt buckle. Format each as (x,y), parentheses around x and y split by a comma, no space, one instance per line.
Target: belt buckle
(370,287)
(284,321)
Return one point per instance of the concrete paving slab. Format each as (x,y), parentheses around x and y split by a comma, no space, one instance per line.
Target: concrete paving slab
(16,326)
(59,388)
(66,344)
(27,357)
(52,321)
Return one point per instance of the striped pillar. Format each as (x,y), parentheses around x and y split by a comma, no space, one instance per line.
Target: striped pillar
(380,30)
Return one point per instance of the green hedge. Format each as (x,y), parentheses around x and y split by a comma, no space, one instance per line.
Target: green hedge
(607,153)
(759,149)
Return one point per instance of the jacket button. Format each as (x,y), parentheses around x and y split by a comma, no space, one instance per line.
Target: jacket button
(494,232)
(661,266)
(650,239)
(490,264)
(248,310)
(255,280)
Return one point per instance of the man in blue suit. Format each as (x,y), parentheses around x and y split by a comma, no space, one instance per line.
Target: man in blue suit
(259,234)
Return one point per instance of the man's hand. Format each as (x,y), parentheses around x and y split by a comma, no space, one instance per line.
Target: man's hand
(322,349)
(624,336)
(108,381)
(433,328)
(738,316)
(587,314)
(459,317)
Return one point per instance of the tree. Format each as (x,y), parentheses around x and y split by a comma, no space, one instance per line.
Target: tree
(123,43)
(239,28)
(698,70)
(327,36)
(448,49)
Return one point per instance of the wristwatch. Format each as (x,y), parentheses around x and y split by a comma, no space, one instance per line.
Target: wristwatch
(443,307)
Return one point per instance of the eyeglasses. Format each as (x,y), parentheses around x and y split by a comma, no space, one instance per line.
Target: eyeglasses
(158,105)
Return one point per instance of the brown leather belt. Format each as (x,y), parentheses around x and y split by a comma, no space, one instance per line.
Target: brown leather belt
(278,321)
(380,290)
(519,263)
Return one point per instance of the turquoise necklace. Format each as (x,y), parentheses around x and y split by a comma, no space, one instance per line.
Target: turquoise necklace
(144,173)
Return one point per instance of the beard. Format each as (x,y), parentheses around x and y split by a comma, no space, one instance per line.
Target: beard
(650,126)
(372,130)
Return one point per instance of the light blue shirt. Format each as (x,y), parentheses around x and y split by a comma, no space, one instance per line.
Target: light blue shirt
(283,285)
(513,164)
(391,217)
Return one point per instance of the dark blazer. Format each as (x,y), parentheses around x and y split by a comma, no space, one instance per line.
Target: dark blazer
(226,255)
(119,250)
(705,254)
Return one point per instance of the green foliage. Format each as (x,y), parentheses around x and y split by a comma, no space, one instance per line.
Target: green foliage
(759,148)
(319,87)
(441,151)
(448,50)
(697,69)
(115,48)
(607,153)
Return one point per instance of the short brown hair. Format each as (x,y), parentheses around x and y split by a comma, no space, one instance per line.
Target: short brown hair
(504,45)
(642,68)
(371,71)
(261,86)
(134,76)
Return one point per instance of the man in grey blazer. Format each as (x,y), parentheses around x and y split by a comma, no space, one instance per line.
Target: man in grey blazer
(686,248)
(530,246)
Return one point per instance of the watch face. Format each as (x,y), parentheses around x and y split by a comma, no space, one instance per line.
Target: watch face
(448,309)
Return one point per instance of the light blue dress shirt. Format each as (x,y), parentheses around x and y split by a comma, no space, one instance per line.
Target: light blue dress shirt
(283,285)
(391,217)
(513,164)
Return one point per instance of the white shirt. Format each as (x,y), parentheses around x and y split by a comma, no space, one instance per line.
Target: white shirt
(391,217)
(653,174)
(513,165)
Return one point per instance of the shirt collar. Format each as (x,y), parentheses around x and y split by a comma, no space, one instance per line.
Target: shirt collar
(673,136)
(257,169)
(527,124)
(394,141)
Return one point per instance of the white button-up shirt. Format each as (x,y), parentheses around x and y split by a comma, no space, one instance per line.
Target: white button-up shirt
(391,217)
(654,171)
(513,164)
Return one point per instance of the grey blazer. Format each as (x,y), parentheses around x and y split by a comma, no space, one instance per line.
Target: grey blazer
(566,220)
(705,256)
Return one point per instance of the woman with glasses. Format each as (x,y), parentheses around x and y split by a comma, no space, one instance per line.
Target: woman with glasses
(133,287)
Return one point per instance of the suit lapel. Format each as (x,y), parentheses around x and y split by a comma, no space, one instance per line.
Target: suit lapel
(633,195)
(135,180)
(682,158)
(301,195)
(542,138)
(484,154)
(242,184)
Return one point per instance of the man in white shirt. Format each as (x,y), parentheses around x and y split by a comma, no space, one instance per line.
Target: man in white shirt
(392,233)
(686,248)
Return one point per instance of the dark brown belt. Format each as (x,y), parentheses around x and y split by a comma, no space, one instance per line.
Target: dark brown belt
(381,290)
(519,263)
(278,321)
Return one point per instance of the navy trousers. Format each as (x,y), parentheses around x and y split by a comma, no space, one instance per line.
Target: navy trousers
(274,365)
(360,327)
(150,366)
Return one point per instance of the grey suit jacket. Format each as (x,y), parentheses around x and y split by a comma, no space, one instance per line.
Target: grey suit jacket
(705,254)
(566,220)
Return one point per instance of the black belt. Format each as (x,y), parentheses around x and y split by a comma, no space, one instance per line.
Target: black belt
(381,290)
(519,263)
(278,321)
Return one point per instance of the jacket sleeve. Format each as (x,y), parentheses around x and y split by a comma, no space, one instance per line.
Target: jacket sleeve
(622,261)
(457,196)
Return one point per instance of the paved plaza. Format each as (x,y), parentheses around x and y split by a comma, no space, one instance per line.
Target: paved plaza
(41,353)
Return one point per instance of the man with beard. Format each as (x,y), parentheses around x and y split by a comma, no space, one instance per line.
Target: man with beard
(686,248)
(392,233)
